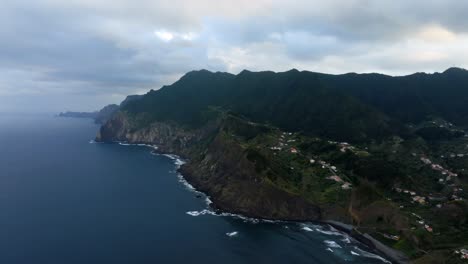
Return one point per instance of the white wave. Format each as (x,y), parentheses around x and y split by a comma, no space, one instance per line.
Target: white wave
(354,253)
(202,212)
(92,141)
(270,221)
(125,143)
(346,240)
(370,255)
(332,244)
(331,232)
(329,249)
(308,227)
(244,218)
(231,234)
(179,162)
(208,200)
(171,156)
(209,212)
(149,146)
(187,185)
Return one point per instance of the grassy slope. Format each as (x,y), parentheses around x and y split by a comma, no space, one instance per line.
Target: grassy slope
(384,117)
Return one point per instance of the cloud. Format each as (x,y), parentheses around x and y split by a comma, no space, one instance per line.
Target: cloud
(86,53)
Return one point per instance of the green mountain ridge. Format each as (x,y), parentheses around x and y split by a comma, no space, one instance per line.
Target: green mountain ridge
(385,154)
(367,106)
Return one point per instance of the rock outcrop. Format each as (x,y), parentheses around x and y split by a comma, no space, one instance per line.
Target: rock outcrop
(216,165)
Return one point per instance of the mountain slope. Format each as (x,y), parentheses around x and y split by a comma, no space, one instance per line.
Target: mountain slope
(270,145)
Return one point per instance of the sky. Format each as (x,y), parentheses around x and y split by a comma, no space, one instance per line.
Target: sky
(80,55)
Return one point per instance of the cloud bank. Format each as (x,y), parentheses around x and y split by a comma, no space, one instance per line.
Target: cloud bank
(82,54)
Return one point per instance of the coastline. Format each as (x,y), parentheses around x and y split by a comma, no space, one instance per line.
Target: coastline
(376,246)
(366,239)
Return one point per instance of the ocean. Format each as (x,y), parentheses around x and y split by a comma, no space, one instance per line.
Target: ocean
(65,199)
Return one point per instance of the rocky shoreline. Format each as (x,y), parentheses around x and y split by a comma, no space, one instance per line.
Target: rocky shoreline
(391,254)
(388,253)
(220,168)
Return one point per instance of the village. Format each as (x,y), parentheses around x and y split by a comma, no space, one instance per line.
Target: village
(447,178)
(427,200)
(463,253)
(286,142)
(408,199)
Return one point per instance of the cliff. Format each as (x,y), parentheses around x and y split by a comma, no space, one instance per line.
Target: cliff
(317,147)
(217,165)
(220,164)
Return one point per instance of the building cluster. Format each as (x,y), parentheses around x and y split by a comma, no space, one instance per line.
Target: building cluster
(282,142)
(423,223)
(344,146)
(392,237)
(415,198)
(344,184)
(463,253)
(456,192)
(448,176)
(437,167)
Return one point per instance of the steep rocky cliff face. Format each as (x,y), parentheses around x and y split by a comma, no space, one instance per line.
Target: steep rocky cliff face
(217,165)
(225,173)
(310,146)
(168,137)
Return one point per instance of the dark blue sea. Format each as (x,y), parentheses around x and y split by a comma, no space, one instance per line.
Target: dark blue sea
(65,199)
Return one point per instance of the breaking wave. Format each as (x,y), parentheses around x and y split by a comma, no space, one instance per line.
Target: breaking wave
(122,143)
(332,244)
(347,240)
(231,234)
(370,255)
(202,212)
(187,185)
(331,232)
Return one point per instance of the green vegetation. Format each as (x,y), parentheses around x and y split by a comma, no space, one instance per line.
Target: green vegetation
(401,177)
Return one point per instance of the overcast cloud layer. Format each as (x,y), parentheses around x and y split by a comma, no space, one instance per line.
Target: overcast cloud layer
(82,54)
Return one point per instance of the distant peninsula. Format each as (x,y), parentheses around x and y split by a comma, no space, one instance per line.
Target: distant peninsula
(101,116)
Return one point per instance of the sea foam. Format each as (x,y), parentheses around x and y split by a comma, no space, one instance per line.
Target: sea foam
(231,234)
(308,229)
(124,143)
(331,232)
(370,255)
(332,244)
(202,212)
(347,240)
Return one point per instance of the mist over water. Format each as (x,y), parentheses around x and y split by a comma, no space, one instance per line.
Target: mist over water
(66,200)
